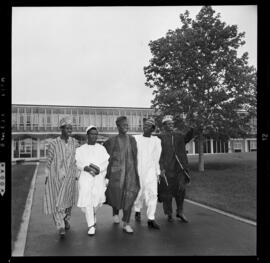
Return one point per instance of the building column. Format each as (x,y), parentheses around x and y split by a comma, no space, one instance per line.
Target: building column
(246,145)
(112,122)
(45,119)
(38,118)
(24,119)
(83,121)
(52,119)
(19,148)
(135,121)
(229,146)
(18,119)
(211,146)
(79,118)
(193,146)
(31,118)
(38,148)
(90,117)
(101,120)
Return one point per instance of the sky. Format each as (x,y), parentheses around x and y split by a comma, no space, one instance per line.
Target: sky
(94,56)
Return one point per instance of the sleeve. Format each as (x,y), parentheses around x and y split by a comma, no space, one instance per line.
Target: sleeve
(50,155)
(161,159)
(106,145)
(77,144)
(189,135)
(104,164)
(157,155)
(78,158)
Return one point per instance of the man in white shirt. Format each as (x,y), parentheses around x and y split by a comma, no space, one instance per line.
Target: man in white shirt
(149,150)
(92,160)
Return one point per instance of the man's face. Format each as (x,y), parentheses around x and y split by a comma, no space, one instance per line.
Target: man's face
(147,128)
(123,127)
(168,126)
(92,136)
(66,130)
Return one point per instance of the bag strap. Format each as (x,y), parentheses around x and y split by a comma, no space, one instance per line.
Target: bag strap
(180,164)
(177,159)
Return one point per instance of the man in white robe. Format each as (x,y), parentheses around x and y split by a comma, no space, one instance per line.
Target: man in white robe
(149,150)
(92,161)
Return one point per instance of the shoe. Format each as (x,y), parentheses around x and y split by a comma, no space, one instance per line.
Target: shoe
(170,219)
(152,224)
(182,218)
(67,225)
(116,219)
(62,232)
(128,229)
(91,230)
(138,216)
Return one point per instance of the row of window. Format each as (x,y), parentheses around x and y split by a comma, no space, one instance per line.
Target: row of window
(80,111)
(32,148)
(239,145)
(42,120)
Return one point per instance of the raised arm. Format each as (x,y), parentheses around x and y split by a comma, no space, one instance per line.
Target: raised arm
(189,135)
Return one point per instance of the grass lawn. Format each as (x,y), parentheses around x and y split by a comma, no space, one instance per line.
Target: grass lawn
(228,183)
(21,180)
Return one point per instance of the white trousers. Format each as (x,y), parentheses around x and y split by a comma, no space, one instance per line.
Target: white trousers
(150,198)
(90,215)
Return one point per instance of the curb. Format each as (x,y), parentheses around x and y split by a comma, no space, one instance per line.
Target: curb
(223,213)
(19,244)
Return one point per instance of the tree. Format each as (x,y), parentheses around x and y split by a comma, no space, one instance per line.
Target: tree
(195,72)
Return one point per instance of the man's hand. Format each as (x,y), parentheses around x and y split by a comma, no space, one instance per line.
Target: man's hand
(106,182)
(92,171)
(89,170)
(162,173)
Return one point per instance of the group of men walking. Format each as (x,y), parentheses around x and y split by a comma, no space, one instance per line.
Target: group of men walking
(124,173)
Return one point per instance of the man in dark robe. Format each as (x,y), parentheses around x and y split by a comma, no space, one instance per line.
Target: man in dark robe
(174,168)
(122,173)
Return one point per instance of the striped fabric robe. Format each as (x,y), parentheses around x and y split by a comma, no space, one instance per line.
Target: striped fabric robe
(60,184)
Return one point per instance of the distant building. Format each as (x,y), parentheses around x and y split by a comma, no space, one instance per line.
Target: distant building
(33,126)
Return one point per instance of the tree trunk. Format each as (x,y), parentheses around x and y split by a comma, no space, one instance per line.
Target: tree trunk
(201,161)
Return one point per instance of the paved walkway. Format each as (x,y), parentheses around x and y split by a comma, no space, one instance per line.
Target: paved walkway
(208,233)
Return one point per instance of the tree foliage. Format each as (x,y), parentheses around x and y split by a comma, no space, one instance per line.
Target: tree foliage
(195,70)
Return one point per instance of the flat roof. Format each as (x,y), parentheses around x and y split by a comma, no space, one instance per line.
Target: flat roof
(73,106)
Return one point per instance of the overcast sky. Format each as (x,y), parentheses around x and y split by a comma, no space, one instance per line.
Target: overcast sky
(94,56)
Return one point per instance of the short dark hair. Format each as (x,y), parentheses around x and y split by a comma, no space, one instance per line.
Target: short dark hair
(120,119)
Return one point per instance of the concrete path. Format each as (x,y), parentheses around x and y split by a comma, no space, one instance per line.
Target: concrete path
(208,233)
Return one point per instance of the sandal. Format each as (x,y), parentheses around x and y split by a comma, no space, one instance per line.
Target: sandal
(92,230)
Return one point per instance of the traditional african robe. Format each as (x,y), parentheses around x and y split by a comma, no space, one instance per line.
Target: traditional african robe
(149,150)
(60,185)
(173,144)
(91,188)
(124,184)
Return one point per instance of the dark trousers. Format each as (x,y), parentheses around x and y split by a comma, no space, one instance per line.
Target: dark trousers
(179,199)
(126,214)
(176,189)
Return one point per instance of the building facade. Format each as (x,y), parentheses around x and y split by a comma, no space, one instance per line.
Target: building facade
(33,126)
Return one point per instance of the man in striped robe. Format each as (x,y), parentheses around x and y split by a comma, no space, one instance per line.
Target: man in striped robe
(61,172)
